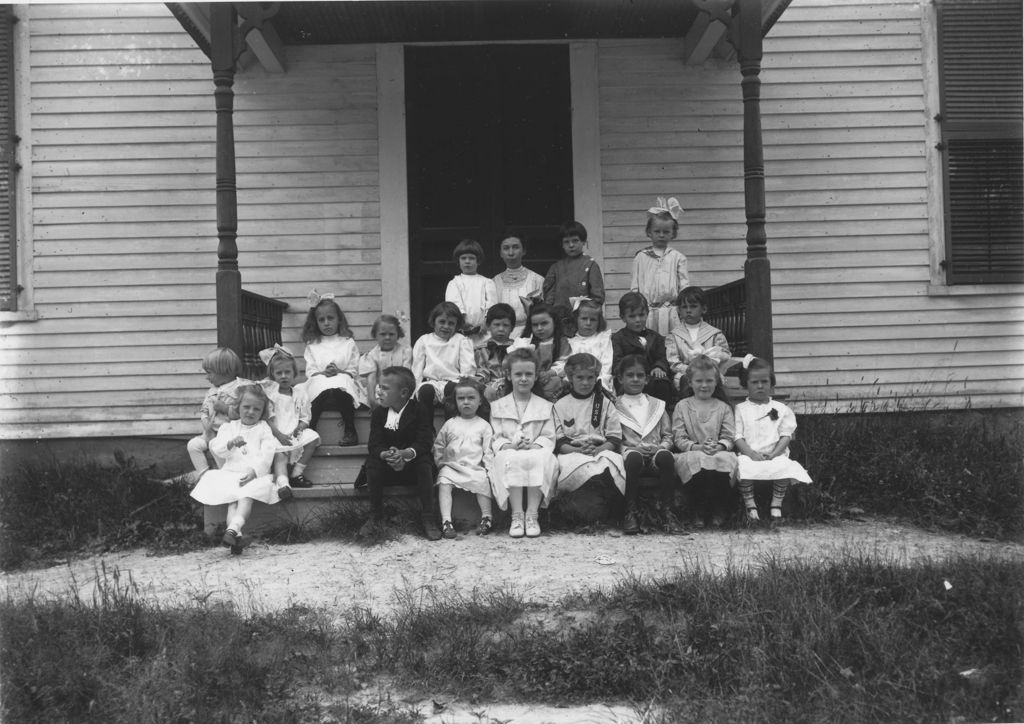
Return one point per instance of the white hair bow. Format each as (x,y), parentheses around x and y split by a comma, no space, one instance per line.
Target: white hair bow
(314,298)
(667,206)
(268,354)
(521,343)
(576,301)
(747,360)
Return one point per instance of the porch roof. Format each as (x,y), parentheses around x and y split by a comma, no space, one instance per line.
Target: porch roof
(449,21)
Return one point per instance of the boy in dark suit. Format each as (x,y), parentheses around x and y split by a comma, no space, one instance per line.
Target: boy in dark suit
(400,445)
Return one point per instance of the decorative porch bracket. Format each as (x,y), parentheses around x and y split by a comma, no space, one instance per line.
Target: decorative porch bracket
(224,49)
(756,269)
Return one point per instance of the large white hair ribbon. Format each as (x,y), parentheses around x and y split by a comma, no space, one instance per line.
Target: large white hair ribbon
(314,297)
(668,206)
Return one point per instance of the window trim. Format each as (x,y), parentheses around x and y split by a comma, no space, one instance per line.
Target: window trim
(26,311)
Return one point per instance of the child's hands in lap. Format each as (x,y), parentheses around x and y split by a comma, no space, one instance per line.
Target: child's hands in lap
(658,373)
(248,477)
(332,370)
(237,442)
(757,457)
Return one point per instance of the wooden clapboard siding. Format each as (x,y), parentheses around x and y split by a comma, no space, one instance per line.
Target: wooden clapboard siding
(124,252)
(853,317)
(308,183)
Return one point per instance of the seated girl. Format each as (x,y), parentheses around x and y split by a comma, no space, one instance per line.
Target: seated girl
(441,357)
(544,331)
(247,446)
(524,445)
(704,429)
(592,337)
(588,430)
(290,416)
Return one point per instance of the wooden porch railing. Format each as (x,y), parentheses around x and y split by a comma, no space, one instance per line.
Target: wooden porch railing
(727,310)
(261,328)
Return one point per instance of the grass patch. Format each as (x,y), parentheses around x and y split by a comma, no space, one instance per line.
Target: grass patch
(860,640)
(961,472)
(54,508)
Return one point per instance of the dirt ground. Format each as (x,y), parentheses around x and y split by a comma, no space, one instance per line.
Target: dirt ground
(339,575)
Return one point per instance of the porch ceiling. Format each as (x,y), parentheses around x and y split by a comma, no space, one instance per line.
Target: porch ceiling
(403,21)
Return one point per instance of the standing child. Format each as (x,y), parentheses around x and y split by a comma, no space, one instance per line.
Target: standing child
(544,331)
(704,429)
(441,357)
(693,336)
(764,428)
(399,449)
(592,337)
(463,455)
(247,446)
(524,444)
(659,273)
(646,443)
(575,276)
(332,364)
(490,356)
(223,370)
(291,416)
(390,351)
(587,428)
(472,293)
(637,339)
(517,286)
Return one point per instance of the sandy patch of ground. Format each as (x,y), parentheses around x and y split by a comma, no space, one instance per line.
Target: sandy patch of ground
(339,575)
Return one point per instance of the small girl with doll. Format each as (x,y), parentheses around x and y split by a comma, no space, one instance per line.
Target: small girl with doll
(223,370)
(587,428)
(291,414)
(592,337)
(524,444)
(490,356)
(660,273)
(247,446)
(544,332)
(693,336)
(517,286)
(471,292)
(441,357)
(332,359)
(390,351)
(704,428)
(764,428)
(463,455)
(646,442)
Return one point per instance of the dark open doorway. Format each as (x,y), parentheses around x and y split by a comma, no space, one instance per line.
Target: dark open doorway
(489,143)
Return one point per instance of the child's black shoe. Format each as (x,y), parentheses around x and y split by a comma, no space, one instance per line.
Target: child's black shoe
(631,523)
(300,481)
(486,524)
(284,493)
(448,530)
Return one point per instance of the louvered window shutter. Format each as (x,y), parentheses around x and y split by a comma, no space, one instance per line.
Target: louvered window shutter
(8,237)
(980,71)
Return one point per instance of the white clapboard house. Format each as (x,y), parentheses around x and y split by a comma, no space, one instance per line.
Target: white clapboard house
(349,145)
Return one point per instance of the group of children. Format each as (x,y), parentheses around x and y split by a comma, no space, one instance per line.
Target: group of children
(539,397)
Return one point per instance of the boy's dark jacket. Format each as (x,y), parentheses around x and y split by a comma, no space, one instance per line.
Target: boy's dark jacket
(415,430)
(626,342)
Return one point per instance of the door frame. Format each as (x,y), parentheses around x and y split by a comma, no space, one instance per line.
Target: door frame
(393,181)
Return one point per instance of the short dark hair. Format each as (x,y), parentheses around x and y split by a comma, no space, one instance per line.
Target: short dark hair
(632,301)
(582,361)
(500,311)
(573,228)
(448,309)
(632,360)
(695,294)
(408,379)
(469,246)
(758,363)
(520,354)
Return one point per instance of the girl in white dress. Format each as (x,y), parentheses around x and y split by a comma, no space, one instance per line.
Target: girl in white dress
(223,370)
(247,446)
(332,359)
(441,357)
(463,455)
(660,273)
(592,337)
(517,286)
(471,292)
(390,351)
(587,428)
(524,445)
(703,430)
(764,428)
(289,417)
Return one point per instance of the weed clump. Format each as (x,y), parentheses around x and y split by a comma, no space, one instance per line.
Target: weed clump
(56,507)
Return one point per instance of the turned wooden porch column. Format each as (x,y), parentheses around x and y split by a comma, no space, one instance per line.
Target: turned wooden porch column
(756,269)
(223,52)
